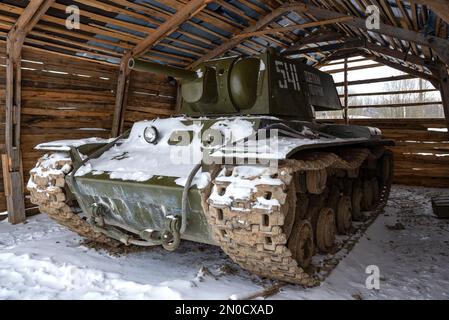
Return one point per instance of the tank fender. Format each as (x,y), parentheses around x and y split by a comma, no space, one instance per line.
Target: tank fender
(85,146)
(352,131)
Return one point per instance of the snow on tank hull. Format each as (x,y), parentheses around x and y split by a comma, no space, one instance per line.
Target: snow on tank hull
(271,192)
(140,188)
(131,190)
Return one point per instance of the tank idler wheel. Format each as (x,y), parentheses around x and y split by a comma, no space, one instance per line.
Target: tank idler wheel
(316,181)
(357,195)
(300,243)
(368,198)
(325,230)
(344,215)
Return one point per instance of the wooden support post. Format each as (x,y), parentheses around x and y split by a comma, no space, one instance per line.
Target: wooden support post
(444,89)
(188,11)
(346,90)
(13,180)
(12,161)
(121,96)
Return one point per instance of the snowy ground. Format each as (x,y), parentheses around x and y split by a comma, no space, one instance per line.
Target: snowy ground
(40,260)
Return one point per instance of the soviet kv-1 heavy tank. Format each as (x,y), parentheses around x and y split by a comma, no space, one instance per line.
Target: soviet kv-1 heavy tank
(244,166)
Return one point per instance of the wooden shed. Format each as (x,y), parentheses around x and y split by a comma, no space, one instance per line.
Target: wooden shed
(64,67)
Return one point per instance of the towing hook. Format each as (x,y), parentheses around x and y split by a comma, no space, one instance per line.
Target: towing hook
(98,212)
(171,237)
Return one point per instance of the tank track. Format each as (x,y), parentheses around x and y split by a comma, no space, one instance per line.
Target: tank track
(46,187)
(282,217)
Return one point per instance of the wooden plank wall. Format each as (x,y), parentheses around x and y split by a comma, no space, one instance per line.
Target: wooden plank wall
(70,98)
(2,122)
(421,155)
(149,96)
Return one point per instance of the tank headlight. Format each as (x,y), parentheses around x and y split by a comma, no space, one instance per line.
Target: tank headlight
(150,134)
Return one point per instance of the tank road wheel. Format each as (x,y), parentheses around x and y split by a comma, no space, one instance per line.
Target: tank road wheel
(368,199)
(276,236)
(357,195)
(325,230)
(334,197)
(264,236)
(375,188)
(344,215)
(301,243)
(46,186)
(316,181)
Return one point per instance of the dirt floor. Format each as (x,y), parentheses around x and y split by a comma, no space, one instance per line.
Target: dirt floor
(408,245)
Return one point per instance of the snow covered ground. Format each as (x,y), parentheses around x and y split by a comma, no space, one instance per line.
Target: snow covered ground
(40,260)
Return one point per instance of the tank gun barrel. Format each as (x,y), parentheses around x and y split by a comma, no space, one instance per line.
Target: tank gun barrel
(146,66)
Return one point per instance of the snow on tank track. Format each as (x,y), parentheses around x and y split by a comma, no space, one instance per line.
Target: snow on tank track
(271,221)
(46,186)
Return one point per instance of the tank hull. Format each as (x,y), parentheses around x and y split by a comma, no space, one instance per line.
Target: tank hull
(139,206)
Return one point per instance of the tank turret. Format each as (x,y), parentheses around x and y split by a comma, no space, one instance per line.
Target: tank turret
(267,84)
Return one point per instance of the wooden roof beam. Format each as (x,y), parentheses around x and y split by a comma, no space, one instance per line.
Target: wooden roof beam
(440,7)
(337,55)
(397,54)
(402,68)
(363,44)
(31,15)
(439,45)
(168,27)
(348,44)
(165,29)
(261,23)
(315,38)
(292,27)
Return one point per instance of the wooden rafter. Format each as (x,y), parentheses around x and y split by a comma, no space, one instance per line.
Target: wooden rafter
(164,30)
(293,27)
(402,68)
(347,44)
(439,45)
(363,44)
(337,55)
(264,21)
(314,38)
(440,7)
(12,160)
